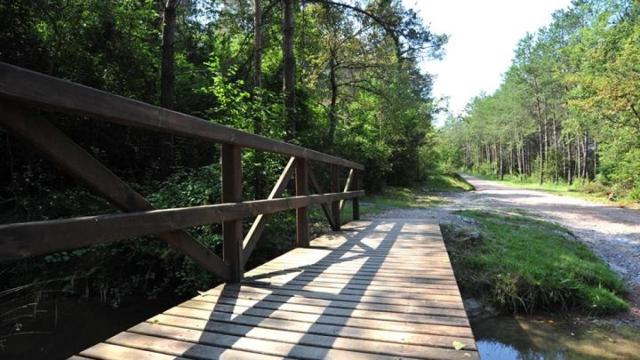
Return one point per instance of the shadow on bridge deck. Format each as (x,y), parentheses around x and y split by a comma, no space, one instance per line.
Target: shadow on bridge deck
(379,289)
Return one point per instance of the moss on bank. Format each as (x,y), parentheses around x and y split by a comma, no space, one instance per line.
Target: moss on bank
(520,263)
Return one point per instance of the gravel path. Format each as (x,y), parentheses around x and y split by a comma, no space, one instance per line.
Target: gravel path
(611,232)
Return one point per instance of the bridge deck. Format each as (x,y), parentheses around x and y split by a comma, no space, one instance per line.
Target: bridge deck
(379,289)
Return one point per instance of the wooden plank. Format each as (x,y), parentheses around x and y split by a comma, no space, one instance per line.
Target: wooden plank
(302,213)
(104,351)
(446,286)
(228,313)
(294,285)
(231,169)
(21,240)
(273,329)
(306,322)
(332,307)
(309,346)
(335,298)
(28,86)
(444,278)
(332,311)
(78,163)
(299,345)
(281,309)
(252,237)
(184,349)
(273,297)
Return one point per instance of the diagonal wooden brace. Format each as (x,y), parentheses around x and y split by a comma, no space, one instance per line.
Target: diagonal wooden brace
(316,187)
(347,185)
(252,237)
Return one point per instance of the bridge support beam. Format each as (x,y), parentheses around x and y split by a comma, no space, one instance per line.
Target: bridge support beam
(357,186)
(302,214)
(335,206)
(231,162)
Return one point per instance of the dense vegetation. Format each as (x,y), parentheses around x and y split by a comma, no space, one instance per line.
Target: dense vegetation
(338,77)
(569,106)
(518,263)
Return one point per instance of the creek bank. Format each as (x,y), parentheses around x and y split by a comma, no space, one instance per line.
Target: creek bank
(516,263)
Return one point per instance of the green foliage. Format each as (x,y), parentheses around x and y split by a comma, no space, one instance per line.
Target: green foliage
(568,106)
(521,263)
(381,115)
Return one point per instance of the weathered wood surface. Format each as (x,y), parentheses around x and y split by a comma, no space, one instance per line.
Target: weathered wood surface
(383,289)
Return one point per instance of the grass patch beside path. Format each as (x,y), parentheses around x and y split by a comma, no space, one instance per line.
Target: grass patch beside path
(520,263)
(446,182)
(421,195)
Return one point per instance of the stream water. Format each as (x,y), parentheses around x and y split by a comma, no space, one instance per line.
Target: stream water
(536,338)
(69,326)
(79,325)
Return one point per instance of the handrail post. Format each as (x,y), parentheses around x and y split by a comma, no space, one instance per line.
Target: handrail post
(356,201)
(302,214)
(231,163)
(335,206)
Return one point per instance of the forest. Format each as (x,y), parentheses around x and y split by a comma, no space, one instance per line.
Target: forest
(342,77)
(568,109)
(338,77)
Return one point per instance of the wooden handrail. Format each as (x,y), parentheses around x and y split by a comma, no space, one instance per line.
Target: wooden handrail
(19,86)
(28,86)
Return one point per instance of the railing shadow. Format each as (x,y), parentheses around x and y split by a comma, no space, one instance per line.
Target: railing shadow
(229,308)
(302,315)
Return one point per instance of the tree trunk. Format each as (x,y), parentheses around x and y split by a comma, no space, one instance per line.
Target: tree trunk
(556,152)
(168,71)
(288,77)
(595,158)
(168,82)
(578,158)
(540,138)
(585,162)
(257,46)
(500,161)
(569,165)
(333,117)
(257,84)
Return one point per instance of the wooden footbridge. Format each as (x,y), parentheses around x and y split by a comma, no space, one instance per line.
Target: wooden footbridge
(371,289)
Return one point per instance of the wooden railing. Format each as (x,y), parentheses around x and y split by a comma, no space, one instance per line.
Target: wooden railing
(20,87)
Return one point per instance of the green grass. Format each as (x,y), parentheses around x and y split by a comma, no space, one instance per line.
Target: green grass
(398,197)
(420,195)
(526,264)
(445,182)
(591,191)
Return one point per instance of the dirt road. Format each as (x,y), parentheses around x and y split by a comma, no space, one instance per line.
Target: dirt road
(612,232)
